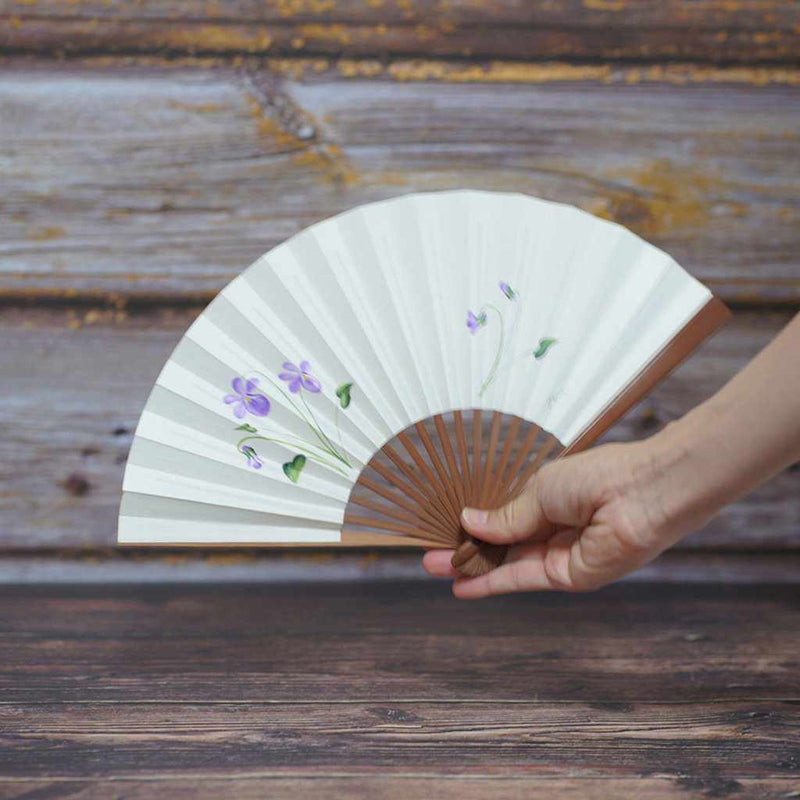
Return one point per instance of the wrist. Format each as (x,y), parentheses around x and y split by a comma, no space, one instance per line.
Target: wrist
(690,476)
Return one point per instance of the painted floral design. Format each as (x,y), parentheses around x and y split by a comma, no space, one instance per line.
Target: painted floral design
(293,468)
(475,321)
(343,392)
(319,447)
(480,320)
(252,457)
(507,290)
(298,377)
(544,345)
(247,399)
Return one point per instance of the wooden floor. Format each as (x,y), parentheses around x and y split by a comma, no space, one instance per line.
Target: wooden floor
(394,689)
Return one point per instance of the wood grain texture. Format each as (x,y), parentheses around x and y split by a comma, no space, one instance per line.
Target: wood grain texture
(493,737)
(704,30)
(395,681)
(298,567)
(167,181)
(61,470)
(322,785)
(411,641)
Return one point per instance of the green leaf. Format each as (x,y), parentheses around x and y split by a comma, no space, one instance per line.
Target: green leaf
(293,468)
(248,428)
(544,346)
(343,393)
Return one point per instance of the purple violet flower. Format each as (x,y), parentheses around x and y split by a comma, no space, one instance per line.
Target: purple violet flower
(252,457)
(298,377)
(507,290)
(245,398)
(475,321)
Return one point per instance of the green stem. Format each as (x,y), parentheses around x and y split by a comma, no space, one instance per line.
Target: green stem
(338,429)
(294,446)
(498,355)
(287,396)
(328,444)
(312,423)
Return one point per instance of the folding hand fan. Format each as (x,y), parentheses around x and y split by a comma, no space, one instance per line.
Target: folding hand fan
(362,382)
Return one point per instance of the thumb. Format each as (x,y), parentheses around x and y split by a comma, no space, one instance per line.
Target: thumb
(517,520)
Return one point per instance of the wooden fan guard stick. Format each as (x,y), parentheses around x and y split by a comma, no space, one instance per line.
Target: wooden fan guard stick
(462,472)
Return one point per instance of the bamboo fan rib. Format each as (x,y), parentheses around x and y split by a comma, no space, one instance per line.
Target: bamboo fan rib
(367,379)
(432,510)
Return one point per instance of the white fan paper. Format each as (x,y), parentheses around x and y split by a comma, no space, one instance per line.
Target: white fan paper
(334,342)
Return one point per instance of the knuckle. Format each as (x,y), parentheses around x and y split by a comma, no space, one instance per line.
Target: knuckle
(509,516)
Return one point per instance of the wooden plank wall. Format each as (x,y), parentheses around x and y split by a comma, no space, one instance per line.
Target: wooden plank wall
(150,151)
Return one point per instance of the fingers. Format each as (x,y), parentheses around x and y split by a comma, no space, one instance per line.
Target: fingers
(437,563)
(520,519)
(525,575)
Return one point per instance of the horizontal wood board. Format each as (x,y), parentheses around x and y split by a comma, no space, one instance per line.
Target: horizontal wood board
(161,181)
(746,31)
(682,691)
(74,382)
(324,785)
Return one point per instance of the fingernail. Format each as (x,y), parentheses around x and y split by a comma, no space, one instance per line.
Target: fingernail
(475,516)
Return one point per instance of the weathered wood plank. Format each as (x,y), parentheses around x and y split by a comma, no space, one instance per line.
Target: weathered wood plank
(747,739)
(61,460)
(268,566)
(151,180)
(704,30)
(400,643)
(443,784)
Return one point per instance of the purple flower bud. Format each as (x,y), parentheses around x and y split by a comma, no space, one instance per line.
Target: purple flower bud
(507,290)
(475,321)
(253,459)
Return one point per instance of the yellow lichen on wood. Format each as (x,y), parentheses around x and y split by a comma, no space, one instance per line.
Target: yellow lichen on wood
(327,33)
(604,5)
(298,68)
(291,8)
(199,108)
(45,234)
(330,162)
(682,74)
(359,68)
(269,128)
(495,72)
(217,38)
(663,197)
(420,70)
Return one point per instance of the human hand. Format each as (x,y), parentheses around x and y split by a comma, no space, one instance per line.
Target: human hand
(588,519)
(582,522)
